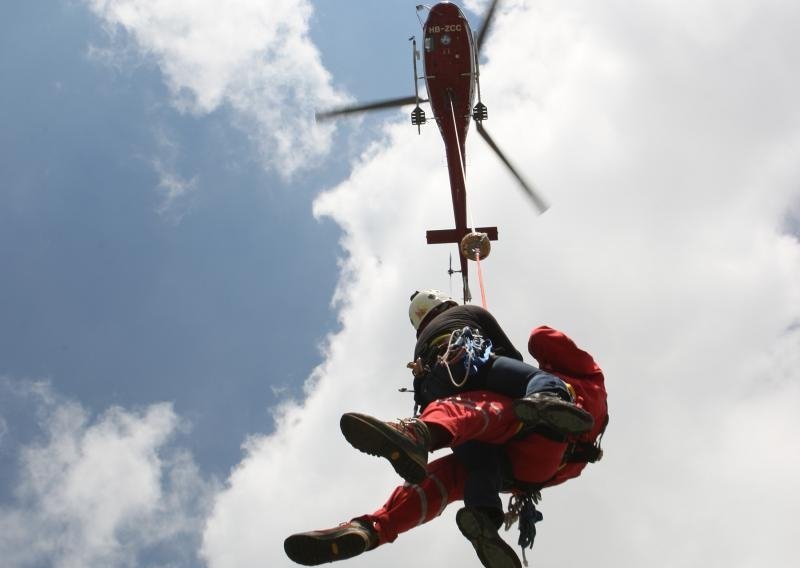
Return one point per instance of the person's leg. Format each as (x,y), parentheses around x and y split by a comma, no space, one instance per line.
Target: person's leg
(546,382)
(328,545)
(482,515)
(517,379)
(449,480)
(542,399)
(409,506)
(479,415)
(485,465)
(481,531)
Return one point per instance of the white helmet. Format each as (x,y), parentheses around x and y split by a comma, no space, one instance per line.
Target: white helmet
(422,302)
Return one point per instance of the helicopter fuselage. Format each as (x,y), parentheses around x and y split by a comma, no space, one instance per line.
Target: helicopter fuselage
(450,76)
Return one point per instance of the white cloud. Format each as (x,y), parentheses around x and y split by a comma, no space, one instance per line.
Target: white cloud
(668,153)
(255,57)
(476,6)
(3,430)
(175,190)
(100,491)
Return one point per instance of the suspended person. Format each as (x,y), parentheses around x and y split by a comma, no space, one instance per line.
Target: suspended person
(491,454)
(462,348)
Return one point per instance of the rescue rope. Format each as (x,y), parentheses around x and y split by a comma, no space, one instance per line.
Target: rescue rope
(468,351)
(469,209)
(476,252)
(480,280)
(447,358)
(522,507)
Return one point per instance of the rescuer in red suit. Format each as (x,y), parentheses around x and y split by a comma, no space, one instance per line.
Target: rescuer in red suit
(535,458)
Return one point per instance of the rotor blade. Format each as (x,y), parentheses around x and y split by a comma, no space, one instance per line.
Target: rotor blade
(487,22)
(388,103)
(540,204)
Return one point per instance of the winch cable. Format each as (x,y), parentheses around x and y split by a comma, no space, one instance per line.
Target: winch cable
(480,280)
(477,258)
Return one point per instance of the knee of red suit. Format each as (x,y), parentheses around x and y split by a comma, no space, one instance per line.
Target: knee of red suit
(476,415)
(412,505)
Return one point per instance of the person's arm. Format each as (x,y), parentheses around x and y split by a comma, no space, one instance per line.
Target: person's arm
(554,350)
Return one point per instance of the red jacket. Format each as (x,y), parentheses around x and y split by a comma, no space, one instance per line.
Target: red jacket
(558,354)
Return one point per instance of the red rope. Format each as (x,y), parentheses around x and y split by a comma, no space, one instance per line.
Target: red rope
(480,279)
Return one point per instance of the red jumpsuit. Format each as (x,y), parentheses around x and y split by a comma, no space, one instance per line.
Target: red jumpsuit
(558,354)
(488,417)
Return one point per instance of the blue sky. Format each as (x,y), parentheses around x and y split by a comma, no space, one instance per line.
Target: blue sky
(209,304)
(196,280)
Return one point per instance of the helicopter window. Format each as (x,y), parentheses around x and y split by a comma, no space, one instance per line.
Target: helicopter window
(429,43)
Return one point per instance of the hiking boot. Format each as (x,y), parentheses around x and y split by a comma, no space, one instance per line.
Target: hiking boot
(404,443)
(481,531)
(550,410)
(318,547)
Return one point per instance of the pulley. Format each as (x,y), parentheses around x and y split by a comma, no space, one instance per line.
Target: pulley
(476,242)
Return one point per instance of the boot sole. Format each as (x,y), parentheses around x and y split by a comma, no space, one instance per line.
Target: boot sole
(492,550)
(373,437)
(564,418)
(312,550)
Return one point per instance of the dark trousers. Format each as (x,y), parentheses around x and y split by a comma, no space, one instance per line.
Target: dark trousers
(486,463)
(516,379)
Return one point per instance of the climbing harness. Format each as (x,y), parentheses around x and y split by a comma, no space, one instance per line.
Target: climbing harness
(467,351)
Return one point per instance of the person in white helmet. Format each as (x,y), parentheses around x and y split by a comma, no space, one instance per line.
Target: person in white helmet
(499,443)
(463,348)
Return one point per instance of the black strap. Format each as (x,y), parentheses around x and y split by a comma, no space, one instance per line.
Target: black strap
(587,452)
(583,452)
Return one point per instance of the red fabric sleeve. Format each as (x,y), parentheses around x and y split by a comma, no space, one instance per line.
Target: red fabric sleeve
(553,349)
(558,354)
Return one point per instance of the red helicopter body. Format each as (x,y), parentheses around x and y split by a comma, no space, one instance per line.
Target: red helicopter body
(452,79)
(450,76)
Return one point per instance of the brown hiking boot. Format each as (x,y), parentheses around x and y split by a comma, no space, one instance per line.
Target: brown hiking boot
(549,409)
(404,443)
(492,550)
(318,547)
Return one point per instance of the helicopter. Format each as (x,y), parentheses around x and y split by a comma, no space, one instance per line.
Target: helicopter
(452,80)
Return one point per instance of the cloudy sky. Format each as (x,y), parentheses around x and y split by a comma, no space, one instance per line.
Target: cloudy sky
(196,280)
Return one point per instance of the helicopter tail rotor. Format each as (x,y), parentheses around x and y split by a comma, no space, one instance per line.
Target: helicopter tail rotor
(540,203)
